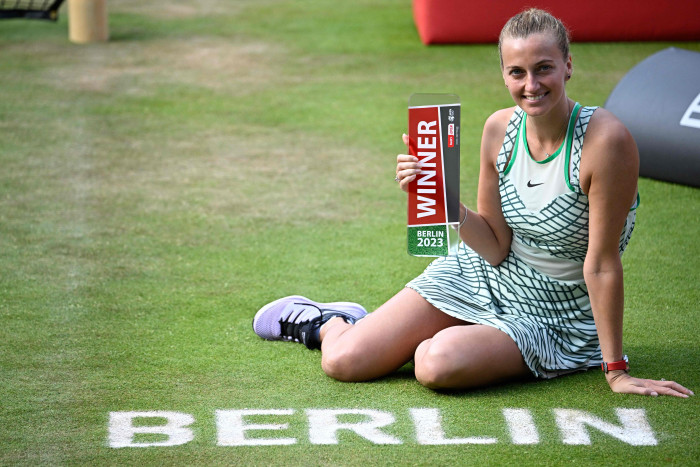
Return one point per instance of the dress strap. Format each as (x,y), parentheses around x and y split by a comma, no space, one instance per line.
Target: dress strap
(510,138)
(573,153)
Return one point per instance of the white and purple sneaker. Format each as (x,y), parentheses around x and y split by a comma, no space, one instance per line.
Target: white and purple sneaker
(296,318)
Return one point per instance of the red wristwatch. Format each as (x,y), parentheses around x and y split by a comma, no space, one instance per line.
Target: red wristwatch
(623,364)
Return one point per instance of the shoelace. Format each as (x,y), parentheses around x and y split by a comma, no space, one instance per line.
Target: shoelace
(292,324)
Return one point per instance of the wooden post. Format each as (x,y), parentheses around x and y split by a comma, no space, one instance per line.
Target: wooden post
(87,21)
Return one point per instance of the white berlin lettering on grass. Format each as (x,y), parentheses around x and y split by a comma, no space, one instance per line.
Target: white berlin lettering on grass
(232,427)
(426,204)
(122,430)
(635,429)
(239,427)
(428,423)
(324,425)
(521,426)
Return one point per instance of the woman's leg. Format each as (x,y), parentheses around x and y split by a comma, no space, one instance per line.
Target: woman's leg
(468,356)
(383,341)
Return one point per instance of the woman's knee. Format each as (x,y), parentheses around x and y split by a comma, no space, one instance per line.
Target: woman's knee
(342,363)
(434,365)
(468,357)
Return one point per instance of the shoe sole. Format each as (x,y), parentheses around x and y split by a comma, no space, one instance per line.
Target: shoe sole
(350,308)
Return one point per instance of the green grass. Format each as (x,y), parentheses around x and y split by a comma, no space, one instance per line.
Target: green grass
(157,189)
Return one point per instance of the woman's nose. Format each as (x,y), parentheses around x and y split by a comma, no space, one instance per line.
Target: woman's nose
(531,83)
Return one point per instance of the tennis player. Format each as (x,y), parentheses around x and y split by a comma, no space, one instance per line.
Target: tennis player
(536,289)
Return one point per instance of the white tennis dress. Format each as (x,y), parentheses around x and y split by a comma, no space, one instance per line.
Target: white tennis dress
(537,295)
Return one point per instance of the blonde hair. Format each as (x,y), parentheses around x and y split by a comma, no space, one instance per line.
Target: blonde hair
(535,21)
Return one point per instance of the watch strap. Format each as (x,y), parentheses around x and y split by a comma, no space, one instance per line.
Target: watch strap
(618,365)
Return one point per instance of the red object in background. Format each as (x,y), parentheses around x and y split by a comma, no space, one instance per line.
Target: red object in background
(469,21)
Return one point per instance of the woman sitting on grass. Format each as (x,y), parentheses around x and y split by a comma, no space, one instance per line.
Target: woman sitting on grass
(536,288)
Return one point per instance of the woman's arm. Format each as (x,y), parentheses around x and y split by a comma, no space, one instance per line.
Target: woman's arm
(487,232)
(609,172)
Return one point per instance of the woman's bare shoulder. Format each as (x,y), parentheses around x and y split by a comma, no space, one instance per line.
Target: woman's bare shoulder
(606,127)
(607,135)
(494,132)
(499,119)
(609,152)
(496,124)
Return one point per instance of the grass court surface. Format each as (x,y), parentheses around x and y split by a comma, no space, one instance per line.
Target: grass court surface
(156,190)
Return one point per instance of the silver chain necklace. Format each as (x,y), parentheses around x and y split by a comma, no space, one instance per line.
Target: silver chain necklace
(566,124)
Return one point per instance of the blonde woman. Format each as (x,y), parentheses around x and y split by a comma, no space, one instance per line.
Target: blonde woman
(537,287)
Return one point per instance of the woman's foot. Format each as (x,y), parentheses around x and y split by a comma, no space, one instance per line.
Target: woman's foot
(296,318)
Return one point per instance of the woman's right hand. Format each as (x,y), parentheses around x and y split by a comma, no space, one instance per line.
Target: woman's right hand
(407,167)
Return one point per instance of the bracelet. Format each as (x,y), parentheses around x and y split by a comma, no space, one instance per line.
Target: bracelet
(466,211)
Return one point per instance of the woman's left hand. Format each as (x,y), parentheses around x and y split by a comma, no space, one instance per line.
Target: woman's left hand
(620,381)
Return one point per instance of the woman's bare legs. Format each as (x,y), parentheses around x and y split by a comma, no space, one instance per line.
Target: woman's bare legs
(449,353)
(383,341)
(462,357)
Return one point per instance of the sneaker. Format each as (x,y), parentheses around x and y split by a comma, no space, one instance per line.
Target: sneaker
(299,319)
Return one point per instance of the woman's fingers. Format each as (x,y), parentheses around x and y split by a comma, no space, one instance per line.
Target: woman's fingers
(670,388)
(407,167)
(403,183)
(649,387)
(404,172)
(405,162)
(407,159)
